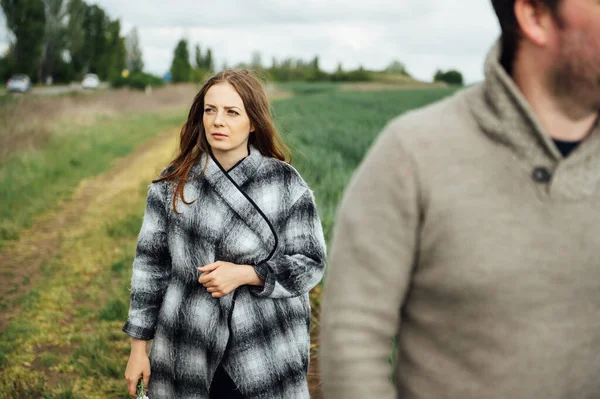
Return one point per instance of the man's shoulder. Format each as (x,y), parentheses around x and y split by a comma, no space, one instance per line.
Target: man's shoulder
(446,119)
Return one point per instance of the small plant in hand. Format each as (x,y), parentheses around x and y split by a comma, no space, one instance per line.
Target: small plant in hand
(140,390)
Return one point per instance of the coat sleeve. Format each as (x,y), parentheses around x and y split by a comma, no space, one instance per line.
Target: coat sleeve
(371,263)
(151,267)
(301,264)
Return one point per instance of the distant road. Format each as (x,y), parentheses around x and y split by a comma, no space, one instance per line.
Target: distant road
(56,90)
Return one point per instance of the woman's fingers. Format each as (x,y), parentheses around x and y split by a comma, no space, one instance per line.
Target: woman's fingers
(209,268)
(146,378)
(132,386)
(205,278)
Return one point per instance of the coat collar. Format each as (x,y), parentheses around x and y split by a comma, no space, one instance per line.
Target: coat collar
(240,173)
(230,187)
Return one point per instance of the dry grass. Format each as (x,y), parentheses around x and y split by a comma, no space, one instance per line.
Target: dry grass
(27,122)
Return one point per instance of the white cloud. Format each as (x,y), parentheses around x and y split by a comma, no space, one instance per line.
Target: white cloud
(423,34)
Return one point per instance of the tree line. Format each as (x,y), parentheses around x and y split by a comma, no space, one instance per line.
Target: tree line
(61,40)
(286,70)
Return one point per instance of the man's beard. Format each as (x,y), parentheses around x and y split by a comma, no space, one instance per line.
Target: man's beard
(575,76)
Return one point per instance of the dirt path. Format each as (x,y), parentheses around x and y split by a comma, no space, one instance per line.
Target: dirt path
(22,263)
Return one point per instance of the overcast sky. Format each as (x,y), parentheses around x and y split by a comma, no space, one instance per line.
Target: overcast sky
(423,34)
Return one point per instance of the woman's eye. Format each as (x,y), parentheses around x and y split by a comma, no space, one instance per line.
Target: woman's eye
(233,112)
(207,110)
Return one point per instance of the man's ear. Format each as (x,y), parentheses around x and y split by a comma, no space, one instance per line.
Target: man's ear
(536,21)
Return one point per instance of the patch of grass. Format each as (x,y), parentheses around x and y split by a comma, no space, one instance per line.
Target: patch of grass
(30,299)
(95,358)
(49,359)
(16,333)
(115,309)
(304,88)
(8,231)
(122,265)
(127,227)
(26,387)
(84,313)
(63,393)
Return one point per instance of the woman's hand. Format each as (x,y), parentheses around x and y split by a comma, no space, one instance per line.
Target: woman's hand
(221,278)
(138,366)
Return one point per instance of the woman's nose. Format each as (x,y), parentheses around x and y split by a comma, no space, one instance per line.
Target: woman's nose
(219,119)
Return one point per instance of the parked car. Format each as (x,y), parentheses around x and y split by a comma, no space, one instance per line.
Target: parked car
(19,83)
(90,81)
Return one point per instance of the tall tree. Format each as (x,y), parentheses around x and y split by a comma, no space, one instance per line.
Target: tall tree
(55,41)
(77,10)
(208,61)
(135,62)
(199,57)
(180,67)
(95,44)
(117,53)
(26,20)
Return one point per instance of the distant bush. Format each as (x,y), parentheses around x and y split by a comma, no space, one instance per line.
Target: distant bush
(138,81)
(452,77)
(357,75)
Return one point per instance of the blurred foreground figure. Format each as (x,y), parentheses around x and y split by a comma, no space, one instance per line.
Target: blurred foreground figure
(471,231)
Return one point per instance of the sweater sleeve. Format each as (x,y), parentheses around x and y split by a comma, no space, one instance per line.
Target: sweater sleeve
(371,263)
(151,267)
(301,264)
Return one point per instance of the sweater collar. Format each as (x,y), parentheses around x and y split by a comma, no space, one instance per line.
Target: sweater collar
(505,115)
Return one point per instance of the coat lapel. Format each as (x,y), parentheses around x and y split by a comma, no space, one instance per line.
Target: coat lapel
(229,187)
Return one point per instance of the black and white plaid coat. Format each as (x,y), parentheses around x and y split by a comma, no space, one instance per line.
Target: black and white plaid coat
(259,213)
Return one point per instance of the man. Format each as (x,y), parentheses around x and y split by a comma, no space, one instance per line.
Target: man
(471,231)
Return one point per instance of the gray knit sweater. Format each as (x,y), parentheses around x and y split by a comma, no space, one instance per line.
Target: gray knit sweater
(469,237)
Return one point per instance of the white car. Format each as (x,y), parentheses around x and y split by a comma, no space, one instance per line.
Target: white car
(19,83)
(90,81)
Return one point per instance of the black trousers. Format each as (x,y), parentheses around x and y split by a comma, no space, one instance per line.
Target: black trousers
(223,387)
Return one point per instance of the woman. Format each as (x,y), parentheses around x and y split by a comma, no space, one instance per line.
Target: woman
(230,246)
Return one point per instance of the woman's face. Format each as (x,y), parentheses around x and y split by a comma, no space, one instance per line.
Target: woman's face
(226,122)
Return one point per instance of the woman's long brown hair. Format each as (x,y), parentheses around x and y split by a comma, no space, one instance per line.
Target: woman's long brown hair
(193,143)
